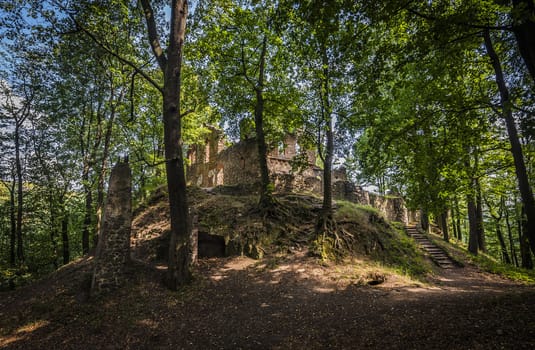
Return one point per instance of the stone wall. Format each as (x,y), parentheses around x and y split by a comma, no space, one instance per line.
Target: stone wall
(392,207)
(113,248)
(238,165)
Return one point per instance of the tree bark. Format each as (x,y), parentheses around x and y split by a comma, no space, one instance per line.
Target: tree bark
(525,254)
(509,233)
(457,221)
(13,222)
(18,167)
(424,220)
(516,149)
(86,225)
(329,134)
(524,29)
(178,272)
(472,221)
(444,225)
(266,198)
(64,231)
(481,241)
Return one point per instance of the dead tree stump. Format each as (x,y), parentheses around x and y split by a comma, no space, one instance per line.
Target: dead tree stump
(113,248)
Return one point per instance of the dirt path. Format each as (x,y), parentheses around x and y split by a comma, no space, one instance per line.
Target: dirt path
(286,303)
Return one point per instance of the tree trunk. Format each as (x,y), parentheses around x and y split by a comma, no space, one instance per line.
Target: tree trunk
(424,219)
(104,160)
(13,221)
(499,235)
(516,149)
(524,29)
(510,234)
(472,221)
(266,199)
(453,226)
(444,225)
(53,229)
(458,221)
(329,134)
(86,225)
(525,255)
(18,167)
(178,272)
(64,231)
(481,242)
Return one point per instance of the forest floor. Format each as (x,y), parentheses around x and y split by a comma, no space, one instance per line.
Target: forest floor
(290,301)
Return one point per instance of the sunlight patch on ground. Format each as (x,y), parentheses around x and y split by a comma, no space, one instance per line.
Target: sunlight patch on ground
(32,326)
(148,323)
(23,331)
(9,340)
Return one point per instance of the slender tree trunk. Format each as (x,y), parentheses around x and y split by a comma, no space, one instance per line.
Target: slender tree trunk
(453,220)
(64,231)
(104,160)
(329,135)
(524,27)
(510,234)
(516,149)
(472,221)
(13,221)
(18,167)
(86,225)
(481,242)
(53,229)
(458,221)
(503,247)
(444,225)
(525,255)
(266,199)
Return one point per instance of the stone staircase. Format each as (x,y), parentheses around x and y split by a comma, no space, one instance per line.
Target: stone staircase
(436,253)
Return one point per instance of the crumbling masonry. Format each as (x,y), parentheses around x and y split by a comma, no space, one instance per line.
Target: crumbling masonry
(212,164)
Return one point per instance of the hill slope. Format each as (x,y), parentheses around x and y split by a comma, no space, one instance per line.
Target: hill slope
(282,301)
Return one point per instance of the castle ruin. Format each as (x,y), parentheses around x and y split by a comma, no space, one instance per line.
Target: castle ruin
(213,164)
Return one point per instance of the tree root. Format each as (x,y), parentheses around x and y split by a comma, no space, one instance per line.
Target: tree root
(332,242)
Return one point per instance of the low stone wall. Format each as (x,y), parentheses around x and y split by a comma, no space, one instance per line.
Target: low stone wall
(393,208)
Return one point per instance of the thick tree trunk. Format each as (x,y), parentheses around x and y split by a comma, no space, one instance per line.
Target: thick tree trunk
(472,221)
(178,272)
(424,220)
(524,29)
(516,149)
